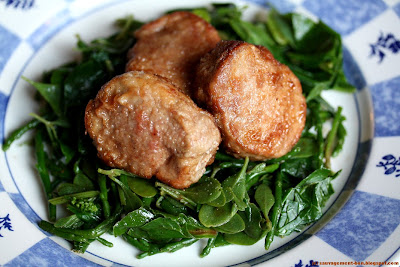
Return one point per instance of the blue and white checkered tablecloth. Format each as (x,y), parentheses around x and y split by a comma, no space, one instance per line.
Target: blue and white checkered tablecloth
(365,229)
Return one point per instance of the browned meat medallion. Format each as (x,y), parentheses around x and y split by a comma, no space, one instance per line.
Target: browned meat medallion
(257,101)
(141,123)
(171,46)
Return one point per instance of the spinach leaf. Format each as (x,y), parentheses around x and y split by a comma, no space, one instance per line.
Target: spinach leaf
(253,176)
(303,204)
(235,187)
(83,83)
(171,206)
(265,200)
(254,228)
(204,191)
(52,93)
(233,226)
(211,216)
(141,187)
(166,229)
(280,28)
(133,219)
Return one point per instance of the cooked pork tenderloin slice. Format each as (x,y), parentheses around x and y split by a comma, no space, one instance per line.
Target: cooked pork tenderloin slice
(171,46)
(141,123)
(257,101)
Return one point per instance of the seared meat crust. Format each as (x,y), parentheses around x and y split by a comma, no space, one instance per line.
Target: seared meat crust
(171,46)
(257,101)
(141,123)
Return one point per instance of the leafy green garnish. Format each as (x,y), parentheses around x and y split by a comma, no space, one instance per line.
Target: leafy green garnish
(237,201)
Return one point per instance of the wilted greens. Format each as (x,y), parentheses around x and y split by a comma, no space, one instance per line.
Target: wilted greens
(237,201)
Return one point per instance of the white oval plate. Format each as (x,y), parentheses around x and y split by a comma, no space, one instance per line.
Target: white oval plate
(361,222)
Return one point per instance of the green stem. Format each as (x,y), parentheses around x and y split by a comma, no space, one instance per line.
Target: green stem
(81,247)
(171,247)
(252,179)
(16,134)
(174,193)
(276,210)
(208,247)
(330,140)
(68,235)
(320,137)
(141,244)
(104,195)
(44,172)
(105,242)
(51,130)
(86,234)
(67,198)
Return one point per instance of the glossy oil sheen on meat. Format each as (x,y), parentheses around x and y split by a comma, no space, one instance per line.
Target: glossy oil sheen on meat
(141,123)
(257,101)
(171,46)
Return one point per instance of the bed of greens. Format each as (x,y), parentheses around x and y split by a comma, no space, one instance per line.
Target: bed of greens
(237,201)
